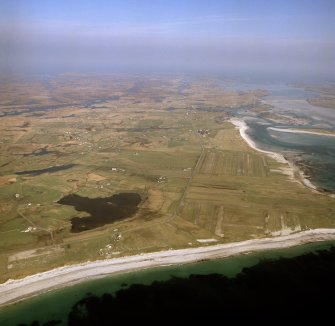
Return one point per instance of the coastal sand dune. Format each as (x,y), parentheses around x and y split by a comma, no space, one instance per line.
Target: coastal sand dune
(15,290)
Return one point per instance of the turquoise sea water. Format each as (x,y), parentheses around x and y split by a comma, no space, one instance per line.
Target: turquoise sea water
(56,304)
(314,154)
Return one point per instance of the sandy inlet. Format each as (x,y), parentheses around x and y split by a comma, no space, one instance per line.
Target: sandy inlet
(292,171)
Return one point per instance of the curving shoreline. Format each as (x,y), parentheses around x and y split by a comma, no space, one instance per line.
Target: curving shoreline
(243,127)
(291,172)
(17,290)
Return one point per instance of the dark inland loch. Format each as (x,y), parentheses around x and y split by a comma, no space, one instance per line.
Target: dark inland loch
(50,169)
(102,210)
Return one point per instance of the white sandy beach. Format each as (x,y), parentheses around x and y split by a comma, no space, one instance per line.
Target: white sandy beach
(243,127)
(15,290)
(297,131)
(291,171)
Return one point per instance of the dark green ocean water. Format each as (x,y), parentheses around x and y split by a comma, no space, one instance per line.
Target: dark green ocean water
(56,304)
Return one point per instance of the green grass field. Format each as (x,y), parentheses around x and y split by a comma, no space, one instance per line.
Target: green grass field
(192,188)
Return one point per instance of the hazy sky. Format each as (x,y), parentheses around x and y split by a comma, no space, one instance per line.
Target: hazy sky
(296,36)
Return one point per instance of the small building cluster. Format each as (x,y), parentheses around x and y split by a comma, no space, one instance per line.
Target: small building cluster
(161,179)
(203,132)
(29,229)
